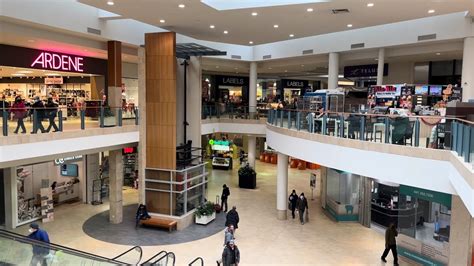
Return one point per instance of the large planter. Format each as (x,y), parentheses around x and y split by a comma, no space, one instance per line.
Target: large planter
(248,181)
(205,219)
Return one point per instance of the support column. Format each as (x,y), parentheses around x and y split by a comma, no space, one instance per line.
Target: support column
(141,124)
(365,201)
(333,71)
(92,173)
(194,102)
(460,235)
(115,186)
(253,89)
(282,186)
(467,82)
(381,63)
(11,197)
(114,74)
(252,144)
(323,171)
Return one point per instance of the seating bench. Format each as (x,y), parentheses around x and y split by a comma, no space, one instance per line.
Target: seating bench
(160,222)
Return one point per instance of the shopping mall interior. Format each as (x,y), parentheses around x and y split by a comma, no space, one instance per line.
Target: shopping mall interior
(174,132)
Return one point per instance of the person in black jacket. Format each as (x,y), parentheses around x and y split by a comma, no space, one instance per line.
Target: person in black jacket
(52,111)
(224,196)
(232,218)
(302,206)
(142,214)
(293,199)
(38,106)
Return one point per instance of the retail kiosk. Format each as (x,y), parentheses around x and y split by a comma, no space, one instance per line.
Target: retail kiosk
(222,154)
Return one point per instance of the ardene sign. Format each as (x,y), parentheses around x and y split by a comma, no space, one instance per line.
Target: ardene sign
(48,60)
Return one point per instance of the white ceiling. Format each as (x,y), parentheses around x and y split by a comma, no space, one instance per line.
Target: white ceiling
(195,19)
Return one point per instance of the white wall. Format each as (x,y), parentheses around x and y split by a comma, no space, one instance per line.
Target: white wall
(239,127)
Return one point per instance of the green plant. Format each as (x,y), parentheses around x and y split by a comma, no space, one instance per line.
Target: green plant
(205,209)
(108,111)
(246,171)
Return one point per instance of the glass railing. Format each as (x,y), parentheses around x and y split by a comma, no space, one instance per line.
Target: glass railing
(162,258)
(30,120)
(20,250)
(433,132)
(233,112)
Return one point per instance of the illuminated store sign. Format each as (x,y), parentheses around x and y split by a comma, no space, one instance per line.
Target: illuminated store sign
(55,61)
(67,159)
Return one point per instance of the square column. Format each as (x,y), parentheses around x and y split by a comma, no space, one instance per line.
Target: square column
(253,89)
(114,74)
(142,124)
(282,186)
(252,145)
(115,185)
(333,71)
(10,197)
(467,82)
(381,63)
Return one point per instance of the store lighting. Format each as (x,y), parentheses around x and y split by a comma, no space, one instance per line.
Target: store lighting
(275,26)
(274,84)
(181,6)
(302,65)
(25,72)
(438,53)
(162,21)
(310,10)
(250,42)
(18,74)
(226,32)
(292,35)
(431,11)
(31,40)
(110,3)
(52,74)
(217,66)
(370,4)
(254,14)
(212,26)
(349,25)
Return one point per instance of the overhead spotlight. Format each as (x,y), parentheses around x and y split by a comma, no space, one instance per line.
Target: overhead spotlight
(110,3)
(431,11)
(275,26)
(212,26)
(181,6)
(226,32)
(349,25)
(370,4)
(292,35)
(162,21)
(438,53)
(250,42)
(254,14)
(310,10)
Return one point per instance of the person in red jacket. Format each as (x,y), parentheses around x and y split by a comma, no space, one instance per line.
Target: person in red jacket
(19,113)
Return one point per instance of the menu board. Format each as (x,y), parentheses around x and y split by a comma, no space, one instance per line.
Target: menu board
(421,89)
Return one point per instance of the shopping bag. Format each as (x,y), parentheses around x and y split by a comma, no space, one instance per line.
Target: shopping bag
(306,216)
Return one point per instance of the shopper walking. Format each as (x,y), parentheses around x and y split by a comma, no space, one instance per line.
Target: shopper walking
(229,234)
(302,207)
(391,243)
(225,195)
(231,255)
(39,252)
(232,218)
(52,111)
(4,105)
(38,107)
(19,113)
(293,200)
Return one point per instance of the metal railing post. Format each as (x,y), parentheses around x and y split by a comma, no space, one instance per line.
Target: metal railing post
(289,119)
(298,121)
(137,115)
(35,123)
(281,117)
(60,120)
(101,117)
(5,122)
(119,117)
(417,132)
(341,126)
(466,142)
(324,124)
(454,131)
(362,128)
(83,119)
(387,130)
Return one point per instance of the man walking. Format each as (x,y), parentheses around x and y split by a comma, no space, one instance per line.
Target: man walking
(391,243)
(224,196)
(232,218)
(293,200)
(39,252)
(52,111)
(231,255)
(38,107)
(302,207)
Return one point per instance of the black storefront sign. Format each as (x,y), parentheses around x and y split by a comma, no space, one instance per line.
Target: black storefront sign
(293,83)
(363,71)
(52,61)
(233,81)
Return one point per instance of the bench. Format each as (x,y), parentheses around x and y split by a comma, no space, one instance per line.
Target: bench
(160,222)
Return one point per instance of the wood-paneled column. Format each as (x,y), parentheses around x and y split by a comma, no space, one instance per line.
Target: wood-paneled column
(114,74)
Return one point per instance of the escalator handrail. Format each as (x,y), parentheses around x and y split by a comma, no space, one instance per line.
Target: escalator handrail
(56,247)
(173,256)
(129,250)
(156,255)
(196,259)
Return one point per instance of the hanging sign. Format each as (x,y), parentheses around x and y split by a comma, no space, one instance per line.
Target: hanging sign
(53,80)
(67,159)
(232,81)
(48,60)
(364,71)
(429,195)
(292,83)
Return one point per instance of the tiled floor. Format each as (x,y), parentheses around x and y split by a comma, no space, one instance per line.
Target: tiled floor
(262,239)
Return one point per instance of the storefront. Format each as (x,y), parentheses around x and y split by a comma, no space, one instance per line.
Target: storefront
(232,89)
(292,89)
(342,195)
(364,75)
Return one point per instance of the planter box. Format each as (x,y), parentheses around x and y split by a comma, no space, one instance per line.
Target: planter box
(248,181)
(205,219)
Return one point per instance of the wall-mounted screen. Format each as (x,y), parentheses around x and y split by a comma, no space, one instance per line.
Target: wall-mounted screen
(436,90)
(421,90)
(69,170)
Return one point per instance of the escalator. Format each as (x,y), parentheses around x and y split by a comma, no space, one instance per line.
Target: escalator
(162,258)
(17,249)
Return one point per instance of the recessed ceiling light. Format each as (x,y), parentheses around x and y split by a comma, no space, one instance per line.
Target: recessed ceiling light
(217,66)
(31,40)
(162,21)
(18,74)
(235,68)
(212,26)
(310,10)
(292,35)
(110,3)
(275,26)
(349,25)
(25,72)
(370,4)
(181,6)
(376,59)
(52,74)
(250,42)
(431,11)
(269,68)
(438,53)
(286,70)
(226,32)
(254,14)
(302,65)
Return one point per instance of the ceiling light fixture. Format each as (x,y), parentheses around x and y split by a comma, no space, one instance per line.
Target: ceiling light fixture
(270,68)
(162,21)
(292,35)
(275,26)
(181,6)
(18,74)
(110,3)
(52,74)
(254,14)
(438,53)
(286,70)
(370,4)
(310,10)
(250,42)
(302,65)
(431,11)
(349,25)
(217,66)
(212,26)
(25,72)
(226,32)
(31,40)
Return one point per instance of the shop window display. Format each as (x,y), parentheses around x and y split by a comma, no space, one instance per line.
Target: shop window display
(27,208)
(342,195)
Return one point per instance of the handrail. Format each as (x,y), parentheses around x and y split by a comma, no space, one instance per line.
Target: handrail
(73,251)
(196,259)
(165,255)
(129,250)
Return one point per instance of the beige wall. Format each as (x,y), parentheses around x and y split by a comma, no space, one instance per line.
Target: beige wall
(459,237)
(399,72)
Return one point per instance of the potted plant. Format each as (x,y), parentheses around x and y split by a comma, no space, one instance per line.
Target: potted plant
(247,177)
(109,117)
(205,213)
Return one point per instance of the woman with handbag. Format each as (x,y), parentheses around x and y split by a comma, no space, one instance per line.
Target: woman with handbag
(19,113)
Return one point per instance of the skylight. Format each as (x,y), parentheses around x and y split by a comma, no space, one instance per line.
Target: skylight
(241,4)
